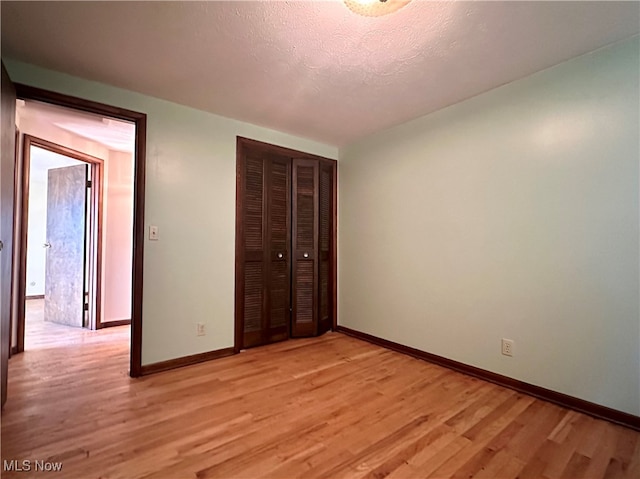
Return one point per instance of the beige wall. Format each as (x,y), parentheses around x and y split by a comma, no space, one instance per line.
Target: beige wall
(511,215)
(118,237)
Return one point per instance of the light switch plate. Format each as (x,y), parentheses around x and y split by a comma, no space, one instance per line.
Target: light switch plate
(153,233)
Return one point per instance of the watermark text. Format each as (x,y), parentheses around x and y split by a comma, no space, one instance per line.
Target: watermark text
(28,465)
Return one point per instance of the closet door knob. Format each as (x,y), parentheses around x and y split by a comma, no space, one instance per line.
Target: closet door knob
(305,255)
(280,255)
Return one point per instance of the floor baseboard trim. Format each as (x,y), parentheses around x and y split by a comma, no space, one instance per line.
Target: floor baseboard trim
(111,324)
(185,361)
(580,405)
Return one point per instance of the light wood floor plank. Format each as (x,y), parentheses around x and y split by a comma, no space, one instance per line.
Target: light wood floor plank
(328,407)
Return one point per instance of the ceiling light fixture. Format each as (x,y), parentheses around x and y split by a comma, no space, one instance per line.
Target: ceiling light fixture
(375,8)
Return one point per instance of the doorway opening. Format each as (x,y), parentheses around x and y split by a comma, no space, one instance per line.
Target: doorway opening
(109,186)
(76,268)
(62,204)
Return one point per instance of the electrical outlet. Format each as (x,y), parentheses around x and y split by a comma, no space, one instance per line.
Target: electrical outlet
(200,329)
(507,347)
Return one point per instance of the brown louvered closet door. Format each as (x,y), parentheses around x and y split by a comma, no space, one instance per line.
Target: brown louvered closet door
(304,321)
(265,266)
(279,240)
(285,244)
(325,246)
(251,270)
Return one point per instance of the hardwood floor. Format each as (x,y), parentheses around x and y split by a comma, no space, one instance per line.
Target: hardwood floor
(331,407)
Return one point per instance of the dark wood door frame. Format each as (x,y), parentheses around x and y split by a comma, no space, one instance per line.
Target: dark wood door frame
(16,230)
(95,225)
(26,92)
(7,221)
(242,145)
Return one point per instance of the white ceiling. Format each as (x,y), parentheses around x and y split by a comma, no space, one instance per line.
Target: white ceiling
(111,133)
(310,68)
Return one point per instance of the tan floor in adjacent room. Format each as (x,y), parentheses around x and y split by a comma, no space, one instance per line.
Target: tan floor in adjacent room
(41,334)
(331,407)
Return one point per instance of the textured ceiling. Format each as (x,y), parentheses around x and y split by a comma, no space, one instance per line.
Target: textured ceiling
(314,69)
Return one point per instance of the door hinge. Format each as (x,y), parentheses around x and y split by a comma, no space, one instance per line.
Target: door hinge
(86,306)
(88,183)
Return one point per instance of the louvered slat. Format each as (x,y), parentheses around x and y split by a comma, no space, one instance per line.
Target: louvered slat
(305,210)
(305,241)
(305,180)
(324,243)
(254,269)
(304,292)
(253,204)
(279,237)
(252,297)
(325,208)
(324,289)
(278,214)
(279,291)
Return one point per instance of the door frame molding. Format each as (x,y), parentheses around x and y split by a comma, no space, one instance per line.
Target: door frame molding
(242,144)
(7,223)
(27,92)
(95,225)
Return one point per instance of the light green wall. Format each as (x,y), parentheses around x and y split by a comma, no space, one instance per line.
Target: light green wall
(190,196)
(511,215)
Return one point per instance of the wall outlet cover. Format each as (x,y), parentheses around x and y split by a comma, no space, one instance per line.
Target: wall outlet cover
(507,347)
(200,331)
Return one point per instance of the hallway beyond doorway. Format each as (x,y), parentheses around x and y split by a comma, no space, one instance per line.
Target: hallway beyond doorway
(41,334)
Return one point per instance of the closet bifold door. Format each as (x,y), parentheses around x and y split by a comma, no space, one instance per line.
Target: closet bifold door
(325,247)
(304,294)
(250,268)
(264,281)
(278,274)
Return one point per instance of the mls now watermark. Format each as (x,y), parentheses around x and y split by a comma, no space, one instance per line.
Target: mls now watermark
(27,465)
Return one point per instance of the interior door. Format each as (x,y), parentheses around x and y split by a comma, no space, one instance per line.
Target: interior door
(66,242)
(7,172)
(304,321)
